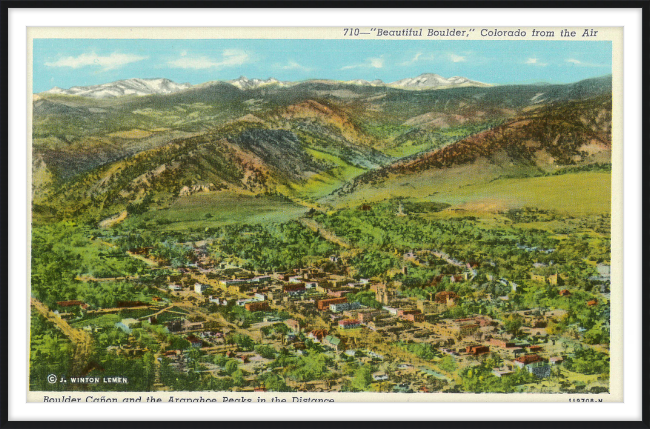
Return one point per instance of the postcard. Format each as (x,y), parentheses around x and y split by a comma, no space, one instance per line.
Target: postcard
(325,214)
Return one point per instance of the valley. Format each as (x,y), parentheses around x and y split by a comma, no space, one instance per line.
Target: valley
(427,235)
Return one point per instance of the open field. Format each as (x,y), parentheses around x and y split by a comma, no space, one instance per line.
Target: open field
(573,194)
(204,210)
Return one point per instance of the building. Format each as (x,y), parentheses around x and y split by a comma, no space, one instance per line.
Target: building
(257,306)
(502,372)
(523,361)
(233,282)
(426,307)
(411,315)
(552,279)
(324,304)
(195,341)
(349,323)
(294,290)
(538,278)
(317,335)
(540,369)
(200,288)
(446,297)
(454,329)
(73,303)
(175,287)
(565,292)
(500,343)
(344,306)
(293,324)
(391,310)
(477,349)
(336,292)
(332,342)
(381,292)
(216,300)
(379,376)
(366,316)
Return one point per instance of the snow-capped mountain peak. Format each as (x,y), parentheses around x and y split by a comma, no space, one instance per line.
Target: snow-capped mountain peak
(135,86)
(434,81)
(244,83)
(138,86)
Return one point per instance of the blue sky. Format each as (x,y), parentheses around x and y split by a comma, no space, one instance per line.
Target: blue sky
(79,62)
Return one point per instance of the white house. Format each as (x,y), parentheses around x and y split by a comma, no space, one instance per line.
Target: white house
(200,288)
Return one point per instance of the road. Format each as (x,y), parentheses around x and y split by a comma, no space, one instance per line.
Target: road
(81,340)
(327,235)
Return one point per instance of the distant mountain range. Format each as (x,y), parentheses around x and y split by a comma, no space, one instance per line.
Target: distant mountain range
(124,87)
(319,143)
(140,87)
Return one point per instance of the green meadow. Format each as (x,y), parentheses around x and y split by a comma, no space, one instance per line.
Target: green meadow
(205,210)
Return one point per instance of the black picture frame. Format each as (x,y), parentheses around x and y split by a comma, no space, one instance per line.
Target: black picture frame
(643,5)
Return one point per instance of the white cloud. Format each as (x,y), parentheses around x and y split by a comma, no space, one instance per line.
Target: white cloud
(456,58)
(418,57)
(535,62)
(583,64)
(376,63)
(107,62)
(295,66)
(229,58)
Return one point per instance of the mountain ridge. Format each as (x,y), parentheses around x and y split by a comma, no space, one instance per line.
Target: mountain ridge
(148,86)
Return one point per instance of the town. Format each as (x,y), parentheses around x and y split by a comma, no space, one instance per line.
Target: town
(428,321)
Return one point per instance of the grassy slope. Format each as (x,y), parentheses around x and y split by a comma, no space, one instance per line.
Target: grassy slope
(324,183)
(204,210)
(574,194)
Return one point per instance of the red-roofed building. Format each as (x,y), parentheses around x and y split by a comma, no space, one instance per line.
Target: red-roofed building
(592,303)
(525,360)
(565,292)
(317,335)
(477,350)
(324,304)
(349,323)
(257,306)
(73,303)
(294,290)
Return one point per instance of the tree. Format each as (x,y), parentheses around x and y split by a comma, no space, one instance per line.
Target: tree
(231,366)
(448,364)
(362,378)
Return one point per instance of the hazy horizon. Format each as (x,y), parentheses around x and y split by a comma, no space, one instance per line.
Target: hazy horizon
(66,63)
